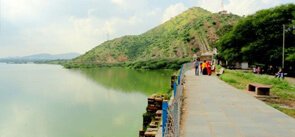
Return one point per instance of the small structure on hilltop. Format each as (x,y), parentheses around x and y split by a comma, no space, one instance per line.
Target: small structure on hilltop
(223,11)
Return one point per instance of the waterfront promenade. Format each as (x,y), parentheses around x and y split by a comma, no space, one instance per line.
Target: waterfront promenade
(215,109)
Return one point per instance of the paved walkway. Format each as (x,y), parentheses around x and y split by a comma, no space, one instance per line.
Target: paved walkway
(215,109)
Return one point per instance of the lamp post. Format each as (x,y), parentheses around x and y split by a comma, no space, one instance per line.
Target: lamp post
(283,54)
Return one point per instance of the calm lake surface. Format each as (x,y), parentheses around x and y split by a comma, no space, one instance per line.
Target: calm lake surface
(50,101)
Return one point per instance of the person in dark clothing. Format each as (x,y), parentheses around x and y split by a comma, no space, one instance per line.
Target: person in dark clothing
(204,68)
(280,74)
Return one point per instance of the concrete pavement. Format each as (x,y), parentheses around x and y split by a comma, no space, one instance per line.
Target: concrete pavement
(216,109)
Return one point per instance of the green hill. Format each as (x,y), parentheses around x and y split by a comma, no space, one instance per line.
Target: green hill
(174,41)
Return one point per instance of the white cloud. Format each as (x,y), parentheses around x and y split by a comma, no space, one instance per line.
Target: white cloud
(153,12)
(117,26)
(118,2)
(59,26)
(240,7)
(246,7)
(22,9)
(173,10)
(212,5)
(130,4)
(78,34)
(50,27)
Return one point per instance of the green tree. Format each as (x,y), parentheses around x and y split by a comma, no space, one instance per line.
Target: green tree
(258,38)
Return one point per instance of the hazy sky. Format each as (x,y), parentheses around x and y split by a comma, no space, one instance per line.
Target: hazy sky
(60,26)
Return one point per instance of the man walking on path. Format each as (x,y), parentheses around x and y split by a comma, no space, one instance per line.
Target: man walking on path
(197,64)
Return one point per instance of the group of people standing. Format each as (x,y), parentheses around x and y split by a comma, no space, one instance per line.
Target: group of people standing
(270,70)
(202,67)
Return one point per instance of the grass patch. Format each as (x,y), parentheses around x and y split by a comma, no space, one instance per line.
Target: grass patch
(280,88)
(229,80)
(290,112)
(240,80)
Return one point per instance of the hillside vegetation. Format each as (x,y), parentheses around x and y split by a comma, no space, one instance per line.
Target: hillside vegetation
(284,91)
(173,42)
(258,38)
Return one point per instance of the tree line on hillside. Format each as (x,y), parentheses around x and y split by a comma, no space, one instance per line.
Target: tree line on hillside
(152,64)
(258,38)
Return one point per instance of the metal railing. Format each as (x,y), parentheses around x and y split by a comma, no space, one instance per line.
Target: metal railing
(172,109)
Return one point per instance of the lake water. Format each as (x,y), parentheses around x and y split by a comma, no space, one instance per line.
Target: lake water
(50,101)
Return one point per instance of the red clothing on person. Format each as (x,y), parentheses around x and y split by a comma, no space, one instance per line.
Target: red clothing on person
(208,66)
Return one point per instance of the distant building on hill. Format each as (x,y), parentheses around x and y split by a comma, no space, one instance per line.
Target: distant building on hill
(223,12)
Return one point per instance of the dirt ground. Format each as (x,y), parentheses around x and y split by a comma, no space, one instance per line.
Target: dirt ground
(290,80)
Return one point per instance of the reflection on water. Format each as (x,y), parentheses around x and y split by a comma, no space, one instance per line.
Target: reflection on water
(128,80)
(49,101)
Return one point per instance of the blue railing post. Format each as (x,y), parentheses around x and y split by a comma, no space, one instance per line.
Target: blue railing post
(180,74)
(181,69)
(164,116)
(174,89)
(175,106)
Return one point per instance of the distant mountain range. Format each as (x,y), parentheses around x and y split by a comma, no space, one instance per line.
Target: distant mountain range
(40,58)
